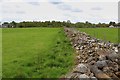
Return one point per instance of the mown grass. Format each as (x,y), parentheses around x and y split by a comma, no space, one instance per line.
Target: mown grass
(107,34)
(36,53)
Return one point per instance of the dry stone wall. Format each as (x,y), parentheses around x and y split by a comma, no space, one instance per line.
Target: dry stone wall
(95,59)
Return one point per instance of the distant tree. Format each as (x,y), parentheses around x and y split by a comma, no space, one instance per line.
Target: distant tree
(86,22)
(68,24)
(80,25)
(112,23)
(102,25)
(57,24)
(13,24)
(118,24)
(5,23)
(68,21)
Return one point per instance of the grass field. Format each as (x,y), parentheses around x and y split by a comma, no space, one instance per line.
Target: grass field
(36,53)
(107,34)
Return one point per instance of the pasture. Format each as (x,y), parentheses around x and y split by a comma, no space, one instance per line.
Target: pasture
(107,34)
(36,53)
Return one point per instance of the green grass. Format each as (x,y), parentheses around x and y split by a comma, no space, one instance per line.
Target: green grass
(36,53)
(107,34)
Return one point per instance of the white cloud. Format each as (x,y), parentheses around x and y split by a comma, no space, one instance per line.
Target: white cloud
(108,11)
(90,0)
(61,10)
(34,3)
(96,8)
(64,7)
(11,0)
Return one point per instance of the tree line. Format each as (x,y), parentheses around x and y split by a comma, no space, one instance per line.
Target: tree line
(28,24)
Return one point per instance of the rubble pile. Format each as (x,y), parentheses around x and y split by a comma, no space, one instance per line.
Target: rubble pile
(95,59)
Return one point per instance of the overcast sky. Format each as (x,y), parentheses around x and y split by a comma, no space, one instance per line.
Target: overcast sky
(59,10)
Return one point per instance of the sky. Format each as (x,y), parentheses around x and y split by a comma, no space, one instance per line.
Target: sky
(59,10)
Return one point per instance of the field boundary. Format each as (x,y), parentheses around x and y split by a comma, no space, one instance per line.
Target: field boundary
(95,58)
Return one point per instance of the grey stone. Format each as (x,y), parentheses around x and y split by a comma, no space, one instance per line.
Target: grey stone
(112,56)
(82,68)
(101,64)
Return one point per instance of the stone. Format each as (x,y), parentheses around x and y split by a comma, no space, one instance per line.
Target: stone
(77,51)
(75,45)
(81,47)
(83,61)
(83,77)
(116,49)
(91,75)
(113,55)
(78,57)
(93,78)
(119,45)
(77,48)
(115,66)
(90,59)
(102,57)
(96,48)
(92,62)
(101,64)
(106,69)
(82,68)
(115,45)
(118,74)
